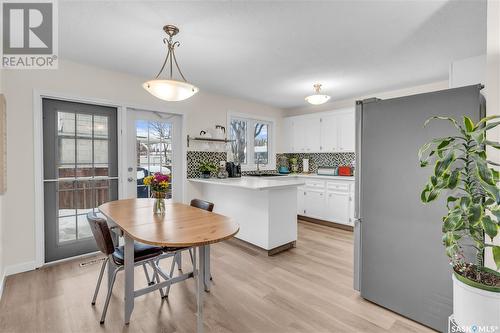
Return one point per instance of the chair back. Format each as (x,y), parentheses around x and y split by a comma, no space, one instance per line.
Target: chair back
(202,204)
(101,233)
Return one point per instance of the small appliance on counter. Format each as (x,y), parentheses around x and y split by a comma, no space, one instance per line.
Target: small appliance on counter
(233,169)
(345,171)
(222,173)
(305,165)
(327,171)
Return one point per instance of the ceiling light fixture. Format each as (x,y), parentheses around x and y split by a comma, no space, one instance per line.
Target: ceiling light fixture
(170,89)
(317,98)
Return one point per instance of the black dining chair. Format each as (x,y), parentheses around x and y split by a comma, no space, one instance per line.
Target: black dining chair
(143,254)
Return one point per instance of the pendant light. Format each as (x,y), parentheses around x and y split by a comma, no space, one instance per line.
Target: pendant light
(170,89)
(317,98)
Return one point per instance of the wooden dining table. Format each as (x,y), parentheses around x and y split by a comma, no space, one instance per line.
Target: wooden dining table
(180,226)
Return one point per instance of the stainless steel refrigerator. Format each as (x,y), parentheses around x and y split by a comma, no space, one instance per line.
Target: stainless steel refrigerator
(400,262)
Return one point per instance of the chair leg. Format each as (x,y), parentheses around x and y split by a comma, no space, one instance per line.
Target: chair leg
(191,255)
(150,283)
(156,277)
(101,273)
(108,296)
(178,257)
(178,254)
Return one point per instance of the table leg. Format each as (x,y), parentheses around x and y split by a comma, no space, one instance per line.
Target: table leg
(200,277)
(207,275)
(129,277)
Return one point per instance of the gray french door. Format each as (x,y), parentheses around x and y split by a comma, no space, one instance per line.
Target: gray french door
(80,172)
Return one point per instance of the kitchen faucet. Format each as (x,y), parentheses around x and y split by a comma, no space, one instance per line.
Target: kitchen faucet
(258,163)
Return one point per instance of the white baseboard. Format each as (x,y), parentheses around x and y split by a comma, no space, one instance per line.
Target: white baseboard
(19,268)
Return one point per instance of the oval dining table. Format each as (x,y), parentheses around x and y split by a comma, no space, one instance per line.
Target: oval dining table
(180,226)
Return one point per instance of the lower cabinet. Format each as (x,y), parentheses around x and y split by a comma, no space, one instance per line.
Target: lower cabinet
(327,200)
(314,204)
(337,206)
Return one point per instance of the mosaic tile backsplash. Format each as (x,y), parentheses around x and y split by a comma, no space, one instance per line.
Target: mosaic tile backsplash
(315,159)
(321,159)
(195,157)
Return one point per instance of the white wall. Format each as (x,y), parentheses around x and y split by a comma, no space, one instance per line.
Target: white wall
(440,85)
(201,111)
(492,87)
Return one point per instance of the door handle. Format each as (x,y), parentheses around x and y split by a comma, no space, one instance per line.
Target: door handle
(130,179)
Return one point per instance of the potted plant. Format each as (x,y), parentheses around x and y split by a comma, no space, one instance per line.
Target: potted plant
(158,183)
(206,168)
(462,169)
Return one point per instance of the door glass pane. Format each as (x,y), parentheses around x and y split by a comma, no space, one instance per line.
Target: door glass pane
(84,151)
(67,151)
(100,151)
(84,125)
(67,228)
(84,197)
(101,192)
(66,198)
(66,123)
(101,170)
(154,151)
(238,132)
(261,143)
(100,127)
(83,227)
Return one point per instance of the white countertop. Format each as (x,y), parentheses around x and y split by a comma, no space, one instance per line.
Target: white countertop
(313,175)
(253,183)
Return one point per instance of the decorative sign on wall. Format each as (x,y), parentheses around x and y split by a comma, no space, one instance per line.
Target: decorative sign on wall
(3,144)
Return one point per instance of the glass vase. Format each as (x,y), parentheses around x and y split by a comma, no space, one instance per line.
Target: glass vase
(159,202)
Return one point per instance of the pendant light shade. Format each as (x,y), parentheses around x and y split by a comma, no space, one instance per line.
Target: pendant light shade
(170,89)
(317,98)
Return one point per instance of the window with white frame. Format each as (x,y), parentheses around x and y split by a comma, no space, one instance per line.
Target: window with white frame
(252,143)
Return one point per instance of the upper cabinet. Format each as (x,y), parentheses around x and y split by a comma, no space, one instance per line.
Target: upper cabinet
(322,132)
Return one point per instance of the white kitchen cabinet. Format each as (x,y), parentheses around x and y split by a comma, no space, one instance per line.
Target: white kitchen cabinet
(312,134)
(337,206)
(321,132)
(314,203)
(346,131)
(328,133)
(326,199)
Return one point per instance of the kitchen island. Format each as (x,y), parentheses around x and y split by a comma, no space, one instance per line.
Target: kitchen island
(265,209)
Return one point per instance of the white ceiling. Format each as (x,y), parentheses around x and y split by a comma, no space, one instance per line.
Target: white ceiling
(273,52)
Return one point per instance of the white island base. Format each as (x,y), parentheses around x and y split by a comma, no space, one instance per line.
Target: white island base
(266,210)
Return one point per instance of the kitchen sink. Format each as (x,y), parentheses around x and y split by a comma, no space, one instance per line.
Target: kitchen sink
(265,174)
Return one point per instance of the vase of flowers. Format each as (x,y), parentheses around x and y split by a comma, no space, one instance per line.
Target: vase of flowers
(158,183)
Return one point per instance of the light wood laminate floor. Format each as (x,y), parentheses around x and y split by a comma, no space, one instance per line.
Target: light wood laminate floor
(306,289)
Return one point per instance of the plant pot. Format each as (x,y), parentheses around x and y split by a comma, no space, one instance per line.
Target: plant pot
(475,305)
(205,174)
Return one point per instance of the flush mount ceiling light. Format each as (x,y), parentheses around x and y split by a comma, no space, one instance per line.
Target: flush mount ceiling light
(170,89)
(317,98)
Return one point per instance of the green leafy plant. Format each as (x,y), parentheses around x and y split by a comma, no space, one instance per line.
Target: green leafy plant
(462,169)
(207,167)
